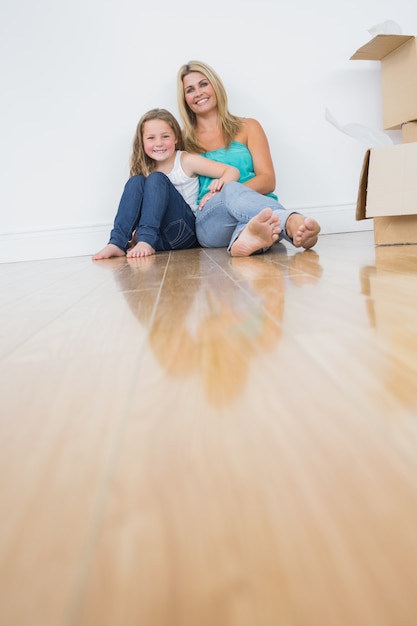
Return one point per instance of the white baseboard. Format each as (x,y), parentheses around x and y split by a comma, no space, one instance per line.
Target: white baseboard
(54,243)
(338,218)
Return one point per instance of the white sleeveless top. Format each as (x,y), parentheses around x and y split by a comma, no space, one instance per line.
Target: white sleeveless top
(187,186)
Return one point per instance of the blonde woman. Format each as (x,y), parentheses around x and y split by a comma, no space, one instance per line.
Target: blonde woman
(245,218)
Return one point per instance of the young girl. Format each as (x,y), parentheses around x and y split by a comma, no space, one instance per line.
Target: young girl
(159,201)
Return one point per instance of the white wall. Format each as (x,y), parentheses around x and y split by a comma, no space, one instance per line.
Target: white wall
(76,76)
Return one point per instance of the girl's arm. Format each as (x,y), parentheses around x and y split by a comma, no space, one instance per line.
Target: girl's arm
(255,138)
(197,165)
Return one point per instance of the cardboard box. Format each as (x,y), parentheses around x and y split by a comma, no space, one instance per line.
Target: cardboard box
(388,193)
(398,56)
(409,132)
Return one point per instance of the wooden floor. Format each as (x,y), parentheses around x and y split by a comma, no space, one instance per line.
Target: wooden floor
(195,440)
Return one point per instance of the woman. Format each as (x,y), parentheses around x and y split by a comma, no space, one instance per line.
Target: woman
(245,217)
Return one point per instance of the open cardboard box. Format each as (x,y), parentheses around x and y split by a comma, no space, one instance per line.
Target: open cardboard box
(409,132)
(398,56)
(388,193)
(388,182)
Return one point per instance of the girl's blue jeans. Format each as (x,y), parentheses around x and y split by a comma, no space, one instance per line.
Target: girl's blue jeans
(152,206)
(226,214)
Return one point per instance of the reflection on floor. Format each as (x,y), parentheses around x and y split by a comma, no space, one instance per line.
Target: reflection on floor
(192,439)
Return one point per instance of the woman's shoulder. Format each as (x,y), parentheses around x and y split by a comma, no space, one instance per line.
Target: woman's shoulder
(250,123)
(250,126)
(248,120)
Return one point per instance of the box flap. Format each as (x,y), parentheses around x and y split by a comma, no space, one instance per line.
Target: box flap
(379,47)
(363,185)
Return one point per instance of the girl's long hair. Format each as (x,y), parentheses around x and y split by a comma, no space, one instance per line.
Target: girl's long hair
(140,162)
(229,124)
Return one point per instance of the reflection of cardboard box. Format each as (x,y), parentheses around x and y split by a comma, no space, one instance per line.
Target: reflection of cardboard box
(388,193)
(398,56)
(389,288)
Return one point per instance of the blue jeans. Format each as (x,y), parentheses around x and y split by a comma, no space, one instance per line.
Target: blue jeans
(153,207)
(226,214)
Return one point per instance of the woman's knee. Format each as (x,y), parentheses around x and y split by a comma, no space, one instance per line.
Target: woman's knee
(234,190)
(232,187)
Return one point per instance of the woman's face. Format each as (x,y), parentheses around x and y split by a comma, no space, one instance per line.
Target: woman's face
(199,93)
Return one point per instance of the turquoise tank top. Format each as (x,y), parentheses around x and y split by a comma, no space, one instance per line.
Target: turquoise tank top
(238,155)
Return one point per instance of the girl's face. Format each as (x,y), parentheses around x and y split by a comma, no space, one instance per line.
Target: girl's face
(159,140)
(199,93)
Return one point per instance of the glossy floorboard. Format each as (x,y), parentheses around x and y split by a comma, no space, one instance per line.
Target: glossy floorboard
(195,440)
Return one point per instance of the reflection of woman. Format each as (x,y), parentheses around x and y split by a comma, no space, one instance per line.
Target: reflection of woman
(243,322)
(237,218)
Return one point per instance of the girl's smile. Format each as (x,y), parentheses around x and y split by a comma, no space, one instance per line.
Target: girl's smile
(159,141)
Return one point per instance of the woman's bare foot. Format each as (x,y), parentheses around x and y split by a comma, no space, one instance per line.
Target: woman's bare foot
(108,252)
(302,230)
(140,249)
(260,232)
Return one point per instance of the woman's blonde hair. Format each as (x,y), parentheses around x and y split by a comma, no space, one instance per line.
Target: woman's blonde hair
(229,124)
(140,162)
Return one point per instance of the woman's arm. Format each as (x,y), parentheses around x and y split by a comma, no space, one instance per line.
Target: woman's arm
(253,135)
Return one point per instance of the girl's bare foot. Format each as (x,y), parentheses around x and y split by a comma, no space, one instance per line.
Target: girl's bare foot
(108,252)
(133,241)
(302,230)
(140,249)
(260,232)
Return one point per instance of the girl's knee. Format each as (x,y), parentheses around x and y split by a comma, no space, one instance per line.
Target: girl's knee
(156,178)
(135,181)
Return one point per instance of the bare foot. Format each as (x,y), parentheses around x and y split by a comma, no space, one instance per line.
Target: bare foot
(108,252)
(140,249)
(302,230)
(260,232)
(133,241)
